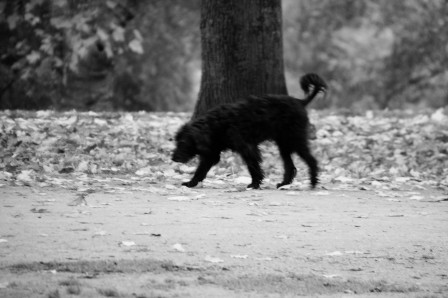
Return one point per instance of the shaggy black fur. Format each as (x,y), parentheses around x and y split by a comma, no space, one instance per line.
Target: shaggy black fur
(242,126)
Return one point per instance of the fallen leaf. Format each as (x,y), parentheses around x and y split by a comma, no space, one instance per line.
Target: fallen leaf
(178,247)
(331,276)
(26,176)
(362,216)
(275,204)
(213,259)
(243,180)
(288,186)
(40,210)
(100,233)
(321,193)
(259,213)
(239,256)
(334,253)
(144,171)
(170,187)
(181,198)
(127,243)
(79,201)
(355,252)
(395,215)
(187,169)
(284,237)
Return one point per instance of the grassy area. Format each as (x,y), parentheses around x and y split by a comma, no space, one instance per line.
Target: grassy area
(151,278)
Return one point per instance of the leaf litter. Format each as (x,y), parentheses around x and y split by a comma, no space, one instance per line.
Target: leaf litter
(380,149)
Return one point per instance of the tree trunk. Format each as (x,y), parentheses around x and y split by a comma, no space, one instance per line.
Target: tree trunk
(242,51)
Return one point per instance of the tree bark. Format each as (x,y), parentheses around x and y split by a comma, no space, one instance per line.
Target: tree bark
(242,51)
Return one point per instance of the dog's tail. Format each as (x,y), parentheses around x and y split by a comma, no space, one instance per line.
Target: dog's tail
(312,84)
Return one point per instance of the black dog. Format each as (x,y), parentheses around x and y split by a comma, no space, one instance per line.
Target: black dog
(242,126)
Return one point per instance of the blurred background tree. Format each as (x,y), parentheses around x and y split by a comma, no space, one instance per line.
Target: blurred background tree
(99,55)
(375,53)
(242,51)
(145,55)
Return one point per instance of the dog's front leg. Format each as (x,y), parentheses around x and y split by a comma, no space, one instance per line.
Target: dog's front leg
(289,168)
(252,157)
(205,164)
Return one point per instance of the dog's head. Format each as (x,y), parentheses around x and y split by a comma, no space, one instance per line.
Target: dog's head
(185,145)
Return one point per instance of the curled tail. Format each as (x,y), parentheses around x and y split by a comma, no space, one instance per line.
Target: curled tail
(316,83)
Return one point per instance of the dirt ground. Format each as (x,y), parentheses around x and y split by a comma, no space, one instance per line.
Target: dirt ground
(155,241)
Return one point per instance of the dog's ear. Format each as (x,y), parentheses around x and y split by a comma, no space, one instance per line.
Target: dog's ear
(202,142)
(184,133)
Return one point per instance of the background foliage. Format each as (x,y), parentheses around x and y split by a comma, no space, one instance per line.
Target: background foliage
(97,55)
(375,53)
(133,55)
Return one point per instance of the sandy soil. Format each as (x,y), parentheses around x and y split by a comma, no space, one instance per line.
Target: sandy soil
(215,243)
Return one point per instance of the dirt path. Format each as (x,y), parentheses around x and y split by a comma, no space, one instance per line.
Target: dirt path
(214,243)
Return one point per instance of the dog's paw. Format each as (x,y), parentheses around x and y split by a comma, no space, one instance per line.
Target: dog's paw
(282,184)
(254,186)
(190,184)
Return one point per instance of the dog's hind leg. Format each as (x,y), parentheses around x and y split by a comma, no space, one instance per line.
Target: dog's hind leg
(252,157)
(290,169)
(304,152)
(205,164)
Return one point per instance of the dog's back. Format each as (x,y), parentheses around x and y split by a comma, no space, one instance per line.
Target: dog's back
(256,119)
